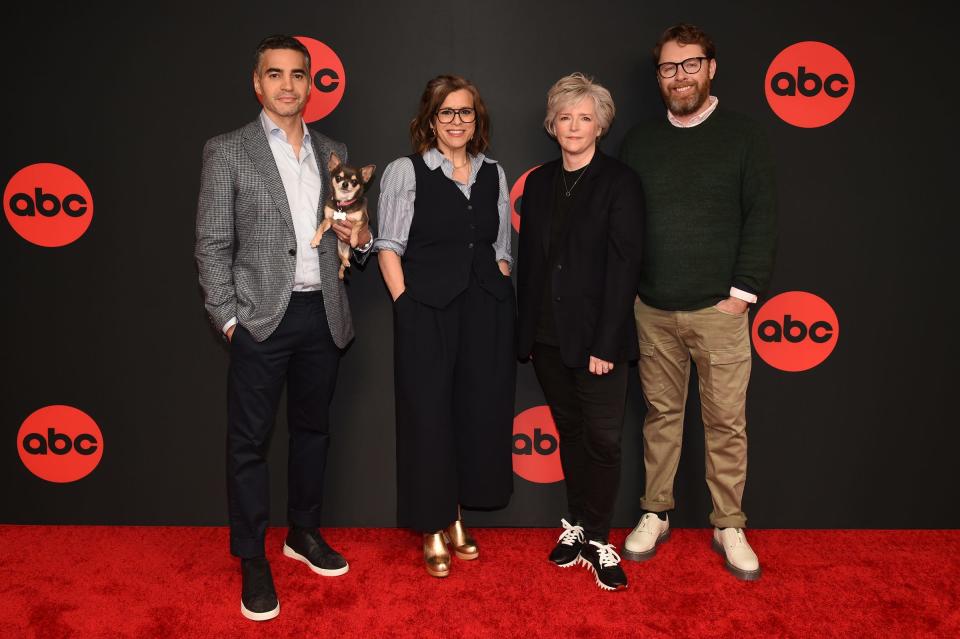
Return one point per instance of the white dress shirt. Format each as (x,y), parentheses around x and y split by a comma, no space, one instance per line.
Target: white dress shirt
(302,182)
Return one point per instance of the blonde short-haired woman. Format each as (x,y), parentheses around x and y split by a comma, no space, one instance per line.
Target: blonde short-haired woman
(577,271)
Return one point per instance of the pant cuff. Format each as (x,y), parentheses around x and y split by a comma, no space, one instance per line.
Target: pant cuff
(656,506)
(730,521)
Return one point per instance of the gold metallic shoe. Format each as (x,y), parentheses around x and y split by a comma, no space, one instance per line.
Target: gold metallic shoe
(464,544)
(435,554)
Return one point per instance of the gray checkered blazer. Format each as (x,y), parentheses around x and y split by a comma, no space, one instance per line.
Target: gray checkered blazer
(245,236)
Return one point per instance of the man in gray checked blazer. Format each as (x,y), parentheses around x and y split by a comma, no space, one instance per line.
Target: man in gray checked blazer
(281,305)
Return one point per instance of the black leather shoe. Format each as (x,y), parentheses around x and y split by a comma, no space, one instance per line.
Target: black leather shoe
(567,550)
(258,600)
(306,545)
(602,560)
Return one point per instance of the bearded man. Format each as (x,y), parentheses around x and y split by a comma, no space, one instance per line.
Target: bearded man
(709,243)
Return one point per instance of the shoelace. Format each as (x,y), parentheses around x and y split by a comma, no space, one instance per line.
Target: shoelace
(740,541)
(606,554)
(646,519)
(570,534)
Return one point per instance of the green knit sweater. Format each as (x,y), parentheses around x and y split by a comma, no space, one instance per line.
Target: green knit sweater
(711,209)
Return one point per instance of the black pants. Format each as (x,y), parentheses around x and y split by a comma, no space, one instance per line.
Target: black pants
(588,410)
(301,353)
(455,377)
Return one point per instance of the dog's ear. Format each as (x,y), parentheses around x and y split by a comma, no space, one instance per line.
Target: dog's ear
(367,172)
(333,163)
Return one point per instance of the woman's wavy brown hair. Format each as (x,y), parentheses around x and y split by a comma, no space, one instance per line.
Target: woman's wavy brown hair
(422,135)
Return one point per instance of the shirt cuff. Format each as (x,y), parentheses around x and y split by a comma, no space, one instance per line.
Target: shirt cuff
(231,322)
(749,298)
(382,244)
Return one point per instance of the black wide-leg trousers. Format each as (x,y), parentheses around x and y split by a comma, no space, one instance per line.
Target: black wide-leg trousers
(455,377)
(302,354)
(588,411)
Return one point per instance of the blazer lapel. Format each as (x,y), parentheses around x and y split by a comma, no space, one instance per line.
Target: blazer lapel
(322,153)
(546,196)
(255,142)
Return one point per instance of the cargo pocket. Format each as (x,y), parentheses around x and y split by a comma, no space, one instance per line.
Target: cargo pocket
(729,375)
(651,373)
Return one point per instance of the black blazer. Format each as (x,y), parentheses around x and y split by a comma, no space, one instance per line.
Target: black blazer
(594,283)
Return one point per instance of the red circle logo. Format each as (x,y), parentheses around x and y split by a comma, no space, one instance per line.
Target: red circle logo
(536,446)
(795,331)
(48,204)
(516,193)
(60,444)
(329,80)
(810,84)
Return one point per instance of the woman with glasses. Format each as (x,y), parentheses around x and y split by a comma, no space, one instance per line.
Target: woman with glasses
(577,271)
(444,252)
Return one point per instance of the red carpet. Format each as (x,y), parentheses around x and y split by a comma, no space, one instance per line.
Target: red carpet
(70,581)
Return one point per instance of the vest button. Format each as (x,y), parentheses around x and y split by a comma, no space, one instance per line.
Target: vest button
(292,251)
(559,267)
(469,207)
(556,299)
(470,245)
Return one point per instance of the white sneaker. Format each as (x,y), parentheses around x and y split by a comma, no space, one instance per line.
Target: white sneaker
(738,557)
(641,544)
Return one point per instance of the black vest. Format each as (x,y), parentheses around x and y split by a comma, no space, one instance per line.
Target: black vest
(451,236)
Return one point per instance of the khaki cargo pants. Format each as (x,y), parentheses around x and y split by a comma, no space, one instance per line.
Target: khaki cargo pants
(719,343)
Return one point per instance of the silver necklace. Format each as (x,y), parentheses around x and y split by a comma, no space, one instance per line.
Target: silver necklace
(569,189)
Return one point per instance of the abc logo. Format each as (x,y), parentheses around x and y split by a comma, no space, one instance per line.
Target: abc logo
(809,84)
(536,447)
(329,80)
(795,331)
(516,199)
(48,204)
(60,444)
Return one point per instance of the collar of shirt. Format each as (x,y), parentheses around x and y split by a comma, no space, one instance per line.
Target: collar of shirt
(433,158)
(697,119)
(273,131)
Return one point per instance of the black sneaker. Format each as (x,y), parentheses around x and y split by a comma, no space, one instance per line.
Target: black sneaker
(568,546)
(603,561)
(258,599)
(308,546)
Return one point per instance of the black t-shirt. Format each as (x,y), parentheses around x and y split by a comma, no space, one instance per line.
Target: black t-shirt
(546,332)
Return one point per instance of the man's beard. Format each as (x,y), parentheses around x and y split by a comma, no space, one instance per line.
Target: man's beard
(688,104)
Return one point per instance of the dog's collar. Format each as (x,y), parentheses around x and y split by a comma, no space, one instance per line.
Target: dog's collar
(343,205)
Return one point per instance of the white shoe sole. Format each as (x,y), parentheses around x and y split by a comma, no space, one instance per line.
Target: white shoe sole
(259,616)
(739,573)
(634,555)
(572,562)
(586,564)
(326,572)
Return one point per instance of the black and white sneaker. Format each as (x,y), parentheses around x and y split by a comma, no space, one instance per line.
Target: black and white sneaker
(603,561)
(258,599)
(308,546)
(567,550)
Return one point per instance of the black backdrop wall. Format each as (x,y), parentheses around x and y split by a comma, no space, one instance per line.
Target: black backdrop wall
(113,323)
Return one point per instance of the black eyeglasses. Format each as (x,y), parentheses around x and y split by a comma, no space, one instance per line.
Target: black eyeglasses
(690,65)
(467,115)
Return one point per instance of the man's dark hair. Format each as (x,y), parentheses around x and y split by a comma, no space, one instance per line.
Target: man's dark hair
(685,34)
(280,42)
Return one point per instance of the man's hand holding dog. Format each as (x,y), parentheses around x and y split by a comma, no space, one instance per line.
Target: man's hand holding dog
(343,229)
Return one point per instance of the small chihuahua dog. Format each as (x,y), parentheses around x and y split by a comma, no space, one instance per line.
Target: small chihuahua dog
(346,202)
